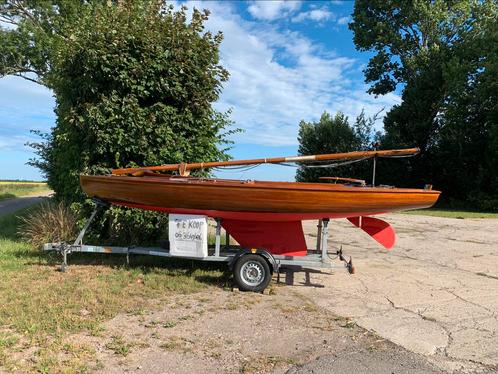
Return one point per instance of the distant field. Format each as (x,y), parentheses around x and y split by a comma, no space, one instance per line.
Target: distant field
(448,213)
(13,189)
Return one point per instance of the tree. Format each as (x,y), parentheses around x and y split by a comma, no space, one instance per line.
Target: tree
(134,84)
(334,135)
(412,41)
(468,146)
(436,52)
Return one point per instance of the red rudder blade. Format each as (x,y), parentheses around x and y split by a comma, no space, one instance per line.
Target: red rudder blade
(379,230)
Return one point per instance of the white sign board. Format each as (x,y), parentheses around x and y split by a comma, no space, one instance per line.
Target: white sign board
(188,235)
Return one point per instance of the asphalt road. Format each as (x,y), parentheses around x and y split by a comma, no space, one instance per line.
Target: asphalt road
(12,205)
(395,361)
(435,293)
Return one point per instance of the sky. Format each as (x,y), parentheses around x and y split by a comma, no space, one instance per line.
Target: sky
(288,61)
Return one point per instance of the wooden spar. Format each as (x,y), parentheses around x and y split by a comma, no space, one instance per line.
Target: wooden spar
(184,168)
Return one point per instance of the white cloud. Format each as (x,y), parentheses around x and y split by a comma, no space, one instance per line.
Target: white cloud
(272,10)
(24,106)
(279,77)
(318,15)
(344,20)
(16,142)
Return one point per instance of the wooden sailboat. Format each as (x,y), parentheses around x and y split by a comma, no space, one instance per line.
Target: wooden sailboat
(260,213)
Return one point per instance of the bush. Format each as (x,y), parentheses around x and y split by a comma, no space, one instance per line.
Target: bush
(134,83)
(50,222)
(125,226)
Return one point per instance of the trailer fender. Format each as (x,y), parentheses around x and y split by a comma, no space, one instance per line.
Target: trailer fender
(259,251)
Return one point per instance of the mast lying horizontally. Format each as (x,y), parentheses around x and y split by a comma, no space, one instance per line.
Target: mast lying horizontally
(184,168)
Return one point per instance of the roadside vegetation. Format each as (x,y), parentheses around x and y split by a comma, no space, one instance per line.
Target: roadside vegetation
(13,189)
(134,84)
(40,307)
(50,222)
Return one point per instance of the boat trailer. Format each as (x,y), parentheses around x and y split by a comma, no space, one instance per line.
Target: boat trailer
(252,268)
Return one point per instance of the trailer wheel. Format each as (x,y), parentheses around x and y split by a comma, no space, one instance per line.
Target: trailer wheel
(252,273)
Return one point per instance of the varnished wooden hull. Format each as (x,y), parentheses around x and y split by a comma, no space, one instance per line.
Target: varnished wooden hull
(253,200)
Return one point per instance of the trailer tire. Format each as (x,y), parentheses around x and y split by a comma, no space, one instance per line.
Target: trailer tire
(252,273)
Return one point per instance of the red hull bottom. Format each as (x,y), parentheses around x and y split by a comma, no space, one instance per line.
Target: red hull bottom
(279,233)
(279,238)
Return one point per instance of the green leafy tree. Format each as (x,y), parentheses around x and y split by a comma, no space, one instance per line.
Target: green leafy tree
(364,131)
(467,145)
(134,84)
(334,134)
(437,52)
(412,41)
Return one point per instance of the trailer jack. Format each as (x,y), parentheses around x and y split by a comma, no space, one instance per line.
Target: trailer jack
(347,263)
(64,249)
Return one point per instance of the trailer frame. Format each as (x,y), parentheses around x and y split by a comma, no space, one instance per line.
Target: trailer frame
(318,258)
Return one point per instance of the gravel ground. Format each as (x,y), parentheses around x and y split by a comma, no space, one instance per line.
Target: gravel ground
(428,306)
(234,332)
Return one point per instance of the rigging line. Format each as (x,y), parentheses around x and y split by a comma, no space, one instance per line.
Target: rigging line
(339,162)
(321,163)
(287,164)
(396,156)
(236,168)
(336,164)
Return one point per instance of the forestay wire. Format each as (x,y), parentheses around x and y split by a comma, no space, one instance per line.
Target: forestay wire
(236,168)
(304,165)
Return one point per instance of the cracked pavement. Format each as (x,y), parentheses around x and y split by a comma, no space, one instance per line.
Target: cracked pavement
(435,293)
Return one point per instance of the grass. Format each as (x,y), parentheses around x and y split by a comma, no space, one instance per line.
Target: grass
(52,222)
(451,213)
(13,189)
(41,307)
(119,346)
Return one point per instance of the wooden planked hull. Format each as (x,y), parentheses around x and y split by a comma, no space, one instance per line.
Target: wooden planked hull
(253,200)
